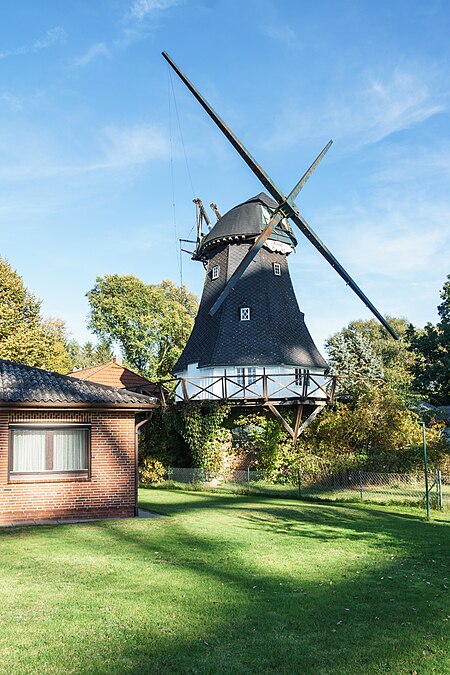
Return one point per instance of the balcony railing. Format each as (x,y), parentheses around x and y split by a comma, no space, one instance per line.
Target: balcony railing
(267,386)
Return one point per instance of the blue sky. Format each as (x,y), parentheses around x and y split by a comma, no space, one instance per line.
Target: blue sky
(89,132)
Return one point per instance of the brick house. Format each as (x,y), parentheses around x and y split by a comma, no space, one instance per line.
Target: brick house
(115,374)
(67,447)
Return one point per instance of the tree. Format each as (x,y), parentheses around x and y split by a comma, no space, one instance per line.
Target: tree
(151,323)
(88,355)
(365,349)
(24,335)
(351,354)
(432,349)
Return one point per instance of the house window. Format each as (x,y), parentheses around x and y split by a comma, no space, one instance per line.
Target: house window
(245,313)
(277,269)
(215,272)
(49,451)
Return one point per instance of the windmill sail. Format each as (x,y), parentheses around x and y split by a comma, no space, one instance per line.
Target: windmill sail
(289,208)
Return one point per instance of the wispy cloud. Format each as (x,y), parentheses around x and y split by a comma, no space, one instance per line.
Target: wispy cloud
(142,9)
(377,107)
(97,49)
(395,239)
(53,36)
(13,102)
(133,145)
(141,18)
(39,157)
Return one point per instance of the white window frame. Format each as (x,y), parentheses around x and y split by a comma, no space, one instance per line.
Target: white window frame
(246,376)
(277,269)
(251,376)
(244,314)
(215,272)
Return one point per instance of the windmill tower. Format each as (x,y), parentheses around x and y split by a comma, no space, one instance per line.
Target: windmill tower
(250,343)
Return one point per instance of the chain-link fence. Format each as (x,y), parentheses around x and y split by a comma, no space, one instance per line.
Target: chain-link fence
(345,485)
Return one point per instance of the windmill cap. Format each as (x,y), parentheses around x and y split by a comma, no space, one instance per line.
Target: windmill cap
(244,221)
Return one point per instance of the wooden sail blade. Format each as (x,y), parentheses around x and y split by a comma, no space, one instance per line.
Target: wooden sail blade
(336,265)
(306,176)
(235,142)
(289,208)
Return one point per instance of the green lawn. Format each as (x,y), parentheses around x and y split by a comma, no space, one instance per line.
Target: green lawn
(228,583)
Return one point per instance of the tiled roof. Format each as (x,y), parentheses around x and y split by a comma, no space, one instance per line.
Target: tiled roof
(276,333)
(116,375)
(25,384)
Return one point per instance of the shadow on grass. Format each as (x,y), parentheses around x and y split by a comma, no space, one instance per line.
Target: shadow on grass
(263,587)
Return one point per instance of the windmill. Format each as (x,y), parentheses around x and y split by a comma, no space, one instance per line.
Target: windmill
(250,343)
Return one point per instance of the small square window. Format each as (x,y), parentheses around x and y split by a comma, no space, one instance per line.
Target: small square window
(215,272)
(277,269)
(245,313)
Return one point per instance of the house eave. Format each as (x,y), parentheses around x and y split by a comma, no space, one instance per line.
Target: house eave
(21,405)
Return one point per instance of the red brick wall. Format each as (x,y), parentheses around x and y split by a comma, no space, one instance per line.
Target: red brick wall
(108,492)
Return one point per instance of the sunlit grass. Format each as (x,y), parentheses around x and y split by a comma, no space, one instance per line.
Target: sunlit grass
(228,583)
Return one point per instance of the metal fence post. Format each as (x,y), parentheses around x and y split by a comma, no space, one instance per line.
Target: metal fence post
(169,473)
(248,479)
(299,484)
(360,484)
(439,475)
(436,480)
(427,495)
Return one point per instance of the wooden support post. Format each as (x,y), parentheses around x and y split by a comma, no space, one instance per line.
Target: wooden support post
(298,420)
(309,419)
(280,417)
(184,389)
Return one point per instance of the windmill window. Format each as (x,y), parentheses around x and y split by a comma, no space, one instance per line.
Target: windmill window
(251,375)
(298,377)
(246,376)
(277,269)
(215,272)
(245,313)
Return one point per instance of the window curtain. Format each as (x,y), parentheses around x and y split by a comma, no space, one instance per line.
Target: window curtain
(29,450)
(69,449)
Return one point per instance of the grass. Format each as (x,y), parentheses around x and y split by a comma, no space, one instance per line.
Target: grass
(386,495)
(228,583)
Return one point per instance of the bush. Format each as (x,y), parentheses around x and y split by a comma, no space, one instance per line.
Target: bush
(152,471)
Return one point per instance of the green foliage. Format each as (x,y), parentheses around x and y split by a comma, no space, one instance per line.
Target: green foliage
(351,354)
(270,445)
(377,432)
(204,432)
(365,349)
(88,355)
(24,335)
(151,323)
(152,471)
(163,439)
(190,435)
(431,347)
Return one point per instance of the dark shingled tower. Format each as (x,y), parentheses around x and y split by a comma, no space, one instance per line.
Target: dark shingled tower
(276,333)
